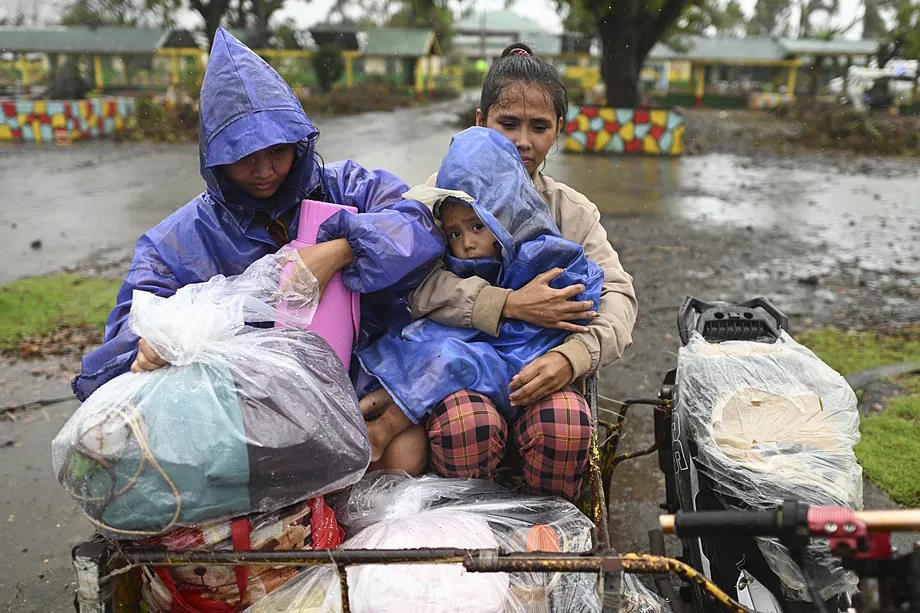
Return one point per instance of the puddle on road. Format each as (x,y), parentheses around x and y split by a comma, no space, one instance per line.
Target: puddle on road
(874,220)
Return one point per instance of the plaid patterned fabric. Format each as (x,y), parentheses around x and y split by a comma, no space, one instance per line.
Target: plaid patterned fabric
(467,436)
(554,438)
(468,439)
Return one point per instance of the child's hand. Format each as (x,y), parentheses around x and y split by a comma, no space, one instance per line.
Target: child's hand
(546,375)
(147,359)
(541,305)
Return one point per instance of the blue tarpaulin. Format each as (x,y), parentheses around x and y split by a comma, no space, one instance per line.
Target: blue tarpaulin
(427,360)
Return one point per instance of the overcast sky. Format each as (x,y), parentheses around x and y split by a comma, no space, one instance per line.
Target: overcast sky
(307,13)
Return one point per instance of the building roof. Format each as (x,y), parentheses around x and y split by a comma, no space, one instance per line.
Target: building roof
(497,21)
(399,42)
(107,40)
(754,49)
(835,47)
(702,49)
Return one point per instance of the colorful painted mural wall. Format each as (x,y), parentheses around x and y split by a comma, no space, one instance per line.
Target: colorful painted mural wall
(63,121)
(608,130)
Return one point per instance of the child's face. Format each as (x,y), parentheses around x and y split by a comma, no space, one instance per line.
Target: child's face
(525,115)
(260,174)
(467,236)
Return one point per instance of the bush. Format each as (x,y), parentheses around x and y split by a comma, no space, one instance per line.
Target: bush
(68,82)
(329,66)
(168,124)
(368,96)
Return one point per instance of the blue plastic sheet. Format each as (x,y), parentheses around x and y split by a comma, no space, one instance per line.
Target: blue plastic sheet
(427,360)
(246,106)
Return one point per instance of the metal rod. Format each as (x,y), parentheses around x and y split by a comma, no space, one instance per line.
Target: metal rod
(600,536)
(906,520)
(663,582)
(160,557)
(343,586)
(536,562)
(647,564)
(473,560)
(876,521)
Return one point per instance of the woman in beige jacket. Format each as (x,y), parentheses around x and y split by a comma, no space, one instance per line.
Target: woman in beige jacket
(524,99)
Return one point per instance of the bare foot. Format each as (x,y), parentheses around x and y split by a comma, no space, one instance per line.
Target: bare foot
(374,404)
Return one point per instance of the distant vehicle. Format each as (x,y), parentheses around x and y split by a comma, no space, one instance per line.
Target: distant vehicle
(877,88)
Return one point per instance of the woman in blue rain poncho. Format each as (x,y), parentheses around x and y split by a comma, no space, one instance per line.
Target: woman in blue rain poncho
(482,174)
(256,149)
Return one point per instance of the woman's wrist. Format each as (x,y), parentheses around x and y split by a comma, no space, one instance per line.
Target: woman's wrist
(341,253)
(509,310)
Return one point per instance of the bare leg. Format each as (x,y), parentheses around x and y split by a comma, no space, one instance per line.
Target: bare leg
(375,403)
(385,428)
(407,451)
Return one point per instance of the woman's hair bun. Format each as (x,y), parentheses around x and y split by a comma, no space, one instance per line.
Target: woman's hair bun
(517,49)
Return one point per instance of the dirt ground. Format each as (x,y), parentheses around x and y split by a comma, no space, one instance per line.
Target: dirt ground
(706,225)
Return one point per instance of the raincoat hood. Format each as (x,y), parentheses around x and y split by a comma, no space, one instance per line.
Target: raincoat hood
(246,106)
(427,360)
(488,167)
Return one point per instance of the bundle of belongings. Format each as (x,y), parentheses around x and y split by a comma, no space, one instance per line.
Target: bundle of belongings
(248,422)
(773,422)
(395,511)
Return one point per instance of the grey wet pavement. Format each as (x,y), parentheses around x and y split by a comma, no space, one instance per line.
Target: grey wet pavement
(828,244)
(41,523)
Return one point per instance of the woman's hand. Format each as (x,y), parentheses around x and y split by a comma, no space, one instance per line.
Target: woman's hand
(326,259)
(539,304)
(546,375)
(147,359)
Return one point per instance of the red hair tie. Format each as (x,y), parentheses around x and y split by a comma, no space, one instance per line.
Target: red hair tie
(519,51)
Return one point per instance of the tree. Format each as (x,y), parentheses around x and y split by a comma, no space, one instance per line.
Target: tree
(20,15)
(628,29)
(329,65)
(433,14)
(363,12)
(722,19)
(212,12)
(903,37)
(770,18)
(809,8)
(286,36)
(160,13)
(872,23)
(102,13)
(254,16)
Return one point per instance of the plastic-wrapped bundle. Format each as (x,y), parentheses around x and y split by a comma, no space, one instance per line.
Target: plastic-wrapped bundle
(224,589)
(243,420)
(773,422)
(394,511)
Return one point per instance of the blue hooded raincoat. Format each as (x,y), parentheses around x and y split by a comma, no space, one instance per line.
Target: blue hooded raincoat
(246,106)
(428,360)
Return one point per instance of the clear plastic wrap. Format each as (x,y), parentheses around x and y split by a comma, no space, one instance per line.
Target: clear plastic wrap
(306,525)
(394,511)
(244,419)
(772,422)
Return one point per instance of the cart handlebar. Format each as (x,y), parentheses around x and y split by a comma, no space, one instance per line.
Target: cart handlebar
(790,519)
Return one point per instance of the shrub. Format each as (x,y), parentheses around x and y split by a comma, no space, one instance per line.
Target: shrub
(329,66)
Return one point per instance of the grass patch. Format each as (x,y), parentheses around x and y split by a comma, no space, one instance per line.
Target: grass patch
(848,352)
(889,450)
(36,306)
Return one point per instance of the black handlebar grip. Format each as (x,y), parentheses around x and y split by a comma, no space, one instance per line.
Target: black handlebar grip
(727,523)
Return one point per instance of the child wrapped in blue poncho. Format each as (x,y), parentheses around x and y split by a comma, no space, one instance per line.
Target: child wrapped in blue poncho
(482,188)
